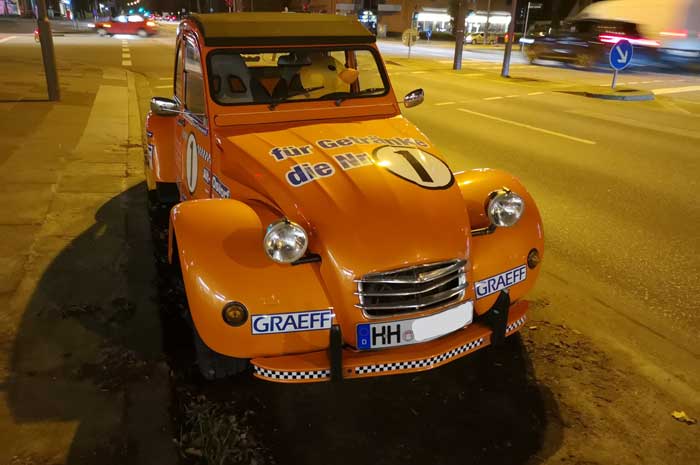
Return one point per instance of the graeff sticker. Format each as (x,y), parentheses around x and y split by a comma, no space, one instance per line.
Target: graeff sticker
(497,283)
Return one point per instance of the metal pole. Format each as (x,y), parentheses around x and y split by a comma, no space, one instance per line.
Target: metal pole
(459,35)
(505,72)
(527,16)
(614,78)
(488,17)
(47,52)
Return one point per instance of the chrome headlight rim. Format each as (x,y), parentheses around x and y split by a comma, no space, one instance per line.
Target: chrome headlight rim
(505,198)
(277,248)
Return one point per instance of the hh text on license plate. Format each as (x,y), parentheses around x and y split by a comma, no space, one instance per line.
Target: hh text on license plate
(413,331)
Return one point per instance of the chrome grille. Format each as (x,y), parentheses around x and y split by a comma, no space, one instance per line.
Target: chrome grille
(412,289)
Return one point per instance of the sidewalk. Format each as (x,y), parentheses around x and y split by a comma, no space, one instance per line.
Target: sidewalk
(16,25)
(82,379)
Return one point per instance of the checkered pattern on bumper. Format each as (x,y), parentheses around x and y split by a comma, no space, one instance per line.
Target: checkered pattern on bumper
(516,324)
(291,375)
(422,363)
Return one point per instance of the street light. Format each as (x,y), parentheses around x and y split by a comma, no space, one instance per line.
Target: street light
(530,5)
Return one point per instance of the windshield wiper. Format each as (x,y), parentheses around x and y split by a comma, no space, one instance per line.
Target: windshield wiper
(370,90)
(306,92)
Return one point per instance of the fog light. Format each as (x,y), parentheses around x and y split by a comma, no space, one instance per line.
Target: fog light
(235,313)
(533,259)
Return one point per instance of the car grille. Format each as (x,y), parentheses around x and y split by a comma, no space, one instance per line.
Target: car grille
(412,289)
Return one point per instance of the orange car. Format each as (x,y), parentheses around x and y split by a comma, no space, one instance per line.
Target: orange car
(320,234)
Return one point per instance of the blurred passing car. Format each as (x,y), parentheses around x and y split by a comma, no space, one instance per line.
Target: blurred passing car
(587,43)
(132,24)
(478,38)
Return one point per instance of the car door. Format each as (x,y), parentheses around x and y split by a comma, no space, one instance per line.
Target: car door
(118,25)
(193,144)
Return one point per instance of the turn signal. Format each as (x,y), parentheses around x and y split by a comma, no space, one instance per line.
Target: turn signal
(235,313)
(533,259)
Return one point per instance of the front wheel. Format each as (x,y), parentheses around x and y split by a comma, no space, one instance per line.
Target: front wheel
(102,32)
(142,33)
(214,365)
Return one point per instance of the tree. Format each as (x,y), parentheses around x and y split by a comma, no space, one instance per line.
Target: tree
(458,10)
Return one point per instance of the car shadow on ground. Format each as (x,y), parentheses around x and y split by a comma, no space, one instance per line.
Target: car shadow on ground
(486,408)
(86,373)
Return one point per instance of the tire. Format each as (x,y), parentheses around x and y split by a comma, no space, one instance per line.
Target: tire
(584,61)
(142,33)
(212,365)
(102,32)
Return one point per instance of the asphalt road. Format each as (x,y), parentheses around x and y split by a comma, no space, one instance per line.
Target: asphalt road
(615,182)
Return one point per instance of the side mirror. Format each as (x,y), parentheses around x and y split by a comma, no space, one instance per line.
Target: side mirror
(414,98)
(164,106)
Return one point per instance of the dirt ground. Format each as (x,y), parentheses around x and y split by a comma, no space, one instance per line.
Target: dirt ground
(546,396)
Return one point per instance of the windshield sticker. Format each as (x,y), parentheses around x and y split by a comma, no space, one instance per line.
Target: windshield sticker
(414,165)
(351,140)
(281,153)
(306,172)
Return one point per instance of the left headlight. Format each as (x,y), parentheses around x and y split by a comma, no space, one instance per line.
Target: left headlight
(505,208)
(285,241)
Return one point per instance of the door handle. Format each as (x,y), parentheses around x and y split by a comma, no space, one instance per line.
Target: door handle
(181,121)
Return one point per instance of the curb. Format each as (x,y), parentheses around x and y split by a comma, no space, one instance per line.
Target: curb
(627,95)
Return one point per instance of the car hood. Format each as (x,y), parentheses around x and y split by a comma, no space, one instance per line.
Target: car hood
(373,195)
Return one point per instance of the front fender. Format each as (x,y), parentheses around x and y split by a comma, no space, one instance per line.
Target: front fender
(505,248)
(219,242)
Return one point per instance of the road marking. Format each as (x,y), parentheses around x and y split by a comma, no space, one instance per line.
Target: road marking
(633,83)
(675,90)
(527,126)
(444,103)
(493,98)
(126,62)
(164,87)
(126,55)
(638,124)
(512,96)
(165,78)
(472,74)
(536,93)
(5,39)
(418,72)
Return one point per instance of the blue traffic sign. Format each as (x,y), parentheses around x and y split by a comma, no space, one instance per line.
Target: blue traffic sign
(621,55)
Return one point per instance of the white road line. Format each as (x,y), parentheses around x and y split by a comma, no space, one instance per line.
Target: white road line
(527,126)
(512,96)
(536,93)
(418,72)
(126,62)
(166,78)
(164,87)
(126,55)
(675,90)
(5,39)
(492,98)
(637,124)
(633,83)
(472,74)
(646,82)
(444,103)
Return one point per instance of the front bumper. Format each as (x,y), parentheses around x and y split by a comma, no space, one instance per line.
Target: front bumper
(316,366)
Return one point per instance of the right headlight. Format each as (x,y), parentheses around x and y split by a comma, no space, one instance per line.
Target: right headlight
(505,208)
(285,241)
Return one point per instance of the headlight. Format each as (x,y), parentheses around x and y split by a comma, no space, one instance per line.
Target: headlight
(285,241)
(505,208)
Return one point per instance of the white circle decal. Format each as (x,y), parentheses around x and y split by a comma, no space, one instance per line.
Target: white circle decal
(191,163)
(414,165)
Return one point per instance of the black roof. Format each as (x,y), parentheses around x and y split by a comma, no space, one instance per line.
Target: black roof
(251,29)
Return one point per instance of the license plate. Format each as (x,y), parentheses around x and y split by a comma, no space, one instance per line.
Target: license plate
(414,331)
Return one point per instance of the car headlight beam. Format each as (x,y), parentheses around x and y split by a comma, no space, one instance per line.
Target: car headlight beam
(285,241)
(505,208)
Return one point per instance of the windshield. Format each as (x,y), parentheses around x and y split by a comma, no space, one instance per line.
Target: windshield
(294,74)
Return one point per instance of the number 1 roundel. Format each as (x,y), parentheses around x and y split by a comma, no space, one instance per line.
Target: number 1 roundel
(414,165)
(191,169)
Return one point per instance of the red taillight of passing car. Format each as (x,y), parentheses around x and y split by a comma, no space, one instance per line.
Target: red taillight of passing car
(615,38)
(36,35)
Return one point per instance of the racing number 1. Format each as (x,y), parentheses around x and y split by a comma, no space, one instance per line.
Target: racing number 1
(415,164)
